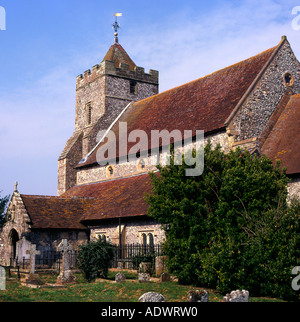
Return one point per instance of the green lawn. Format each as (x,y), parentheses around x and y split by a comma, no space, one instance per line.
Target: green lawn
(104,291)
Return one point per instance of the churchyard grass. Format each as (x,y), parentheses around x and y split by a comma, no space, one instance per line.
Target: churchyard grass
(102,291)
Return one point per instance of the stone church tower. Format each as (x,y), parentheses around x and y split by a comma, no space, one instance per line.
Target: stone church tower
(101,94)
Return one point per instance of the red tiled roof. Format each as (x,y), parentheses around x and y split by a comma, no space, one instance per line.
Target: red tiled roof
(117,54)
(56,212)
(115,198)
(283,142)
(203,104)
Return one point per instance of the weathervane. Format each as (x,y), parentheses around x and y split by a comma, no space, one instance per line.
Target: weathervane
(116,26)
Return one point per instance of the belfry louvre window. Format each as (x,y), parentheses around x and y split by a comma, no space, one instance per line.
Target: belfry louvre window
(88,109)
(133,87)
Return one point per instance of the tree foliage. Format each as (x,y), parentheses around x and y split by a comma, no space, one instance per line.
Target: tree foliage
(231,227)
(94,259)
(3,203)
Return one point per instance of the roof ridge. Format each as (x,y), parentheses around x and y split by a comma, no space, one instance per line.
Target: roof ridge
(54,197)
(38,196)
(208,75)
(113,179)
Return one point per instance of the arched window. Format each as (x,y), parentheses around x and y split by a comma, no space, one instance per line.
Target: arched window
(101,236)
(144,239)
(150,240)
(13,239)
(144,243)
(147,241)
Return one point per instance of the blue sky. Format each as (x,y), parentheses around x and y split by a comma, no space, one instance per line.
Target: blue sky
(46,44)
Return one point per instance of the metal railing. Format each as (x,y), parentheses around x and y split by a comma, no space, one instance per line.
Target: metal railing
(47,260)
(125,256)
(131,255)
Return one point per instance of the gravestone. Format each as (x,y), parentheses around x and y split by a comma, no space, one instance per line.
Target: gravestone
(165,277)
(2,279)
(198,296)
(144,278)
(152,297)
(66,276)
(237,296)
(23,250)
(146,267)
(32,252)
(160,265)
(120,278)
(32,278)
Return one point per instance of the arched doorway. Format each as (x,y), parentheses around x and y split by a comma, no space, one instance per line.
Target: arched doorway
(13,239)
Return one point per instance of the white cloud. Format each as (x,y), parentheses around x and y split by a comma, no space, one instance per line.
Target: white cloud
(191,46)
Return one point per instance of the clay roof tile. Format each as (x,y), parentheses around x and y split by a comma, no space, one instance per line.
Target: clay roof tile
(117,54)
(203,104)
(50,212)
(123,197)
(283,142)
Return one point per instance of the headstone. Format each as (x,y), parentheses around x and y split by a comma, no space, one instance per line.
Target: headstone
(120,278)
(160,265)
(237,296)
(66,276)
(152,297)
(2,279)
(144,278)
(165,277)
(146,267)
(32,252)
(32,278)
(23,250)
(198,296)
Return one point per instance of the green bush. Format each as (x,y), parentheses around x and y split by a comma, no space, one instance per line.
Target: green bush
(230,228)
(94,259)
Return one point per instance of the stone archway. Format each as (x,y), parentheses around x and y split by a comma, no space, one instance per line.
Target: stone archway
(13,239)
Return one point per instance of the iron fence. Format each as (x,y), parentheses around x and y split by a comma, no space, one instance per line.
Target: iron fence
(46,260)
(125,256)
(131,255)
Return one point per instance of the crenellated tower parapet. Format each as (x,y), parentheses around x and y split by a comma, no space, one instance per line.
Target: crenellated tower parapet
(108,67)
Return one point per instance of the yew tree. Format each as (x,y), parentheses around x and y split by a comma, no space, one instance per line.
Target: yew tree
(3,204)
(231,227)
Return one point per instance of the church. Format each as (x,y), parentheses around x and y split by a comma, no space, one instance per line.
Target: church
(253,104)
